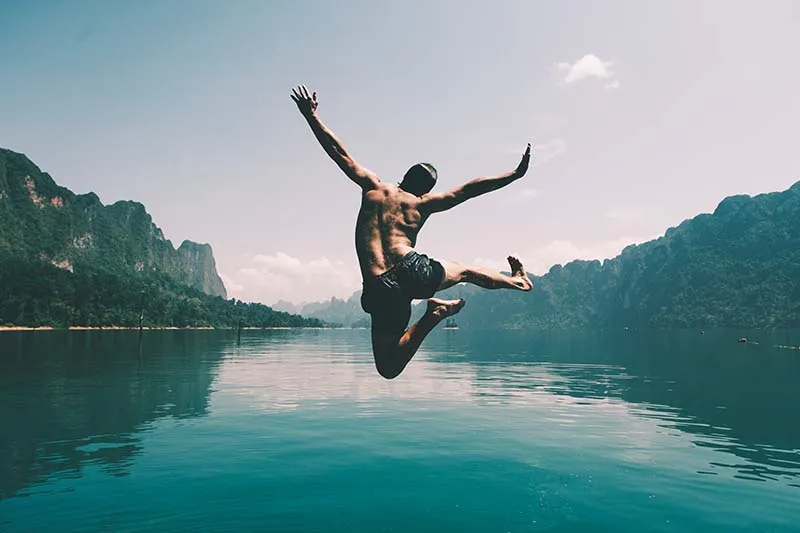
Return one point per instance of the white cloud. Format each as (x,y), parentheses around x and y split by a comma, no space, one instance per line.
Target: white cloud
(589,66)
(230,285)
(559,252)
(542,153)
(270,278)
(493,263)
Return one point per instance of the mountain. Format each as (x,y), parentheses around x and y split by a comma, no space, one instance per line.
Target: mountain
(67,259)
(736,267)
(347,313)
(41,220)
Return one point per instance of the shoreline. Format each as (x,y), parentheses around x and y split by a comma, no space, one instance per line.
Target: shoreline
(150,328)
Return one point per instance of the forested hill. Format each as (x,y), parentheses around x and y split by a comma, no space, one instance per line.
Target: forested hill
(41,220)
(67,259)
(736,267)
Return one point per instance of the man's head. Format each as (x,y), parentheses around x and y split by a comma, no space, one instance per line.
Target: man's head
(419,179)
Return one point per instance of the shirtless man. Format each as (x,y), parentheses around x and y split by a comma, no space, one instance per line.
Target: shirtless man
(393,273)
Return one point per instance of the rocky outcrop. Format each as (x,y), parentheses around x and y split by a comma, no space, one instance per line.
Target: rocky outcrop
(199,269)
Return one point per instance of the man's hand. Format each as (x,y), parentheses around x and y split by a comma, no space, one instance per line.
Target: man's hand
(305,103)
(522,168)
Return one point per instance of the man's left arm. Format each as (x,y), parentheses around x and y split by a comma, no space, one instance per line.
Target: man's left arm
(437,202)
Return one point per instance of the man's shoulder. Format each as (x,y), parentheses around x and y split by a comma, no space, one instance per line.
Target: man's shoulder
(389,187)
(384,190)
(388,193)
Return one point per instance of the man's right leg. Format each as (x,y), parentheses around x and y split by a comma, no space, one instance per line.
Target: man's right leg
(393,351)
(455,273)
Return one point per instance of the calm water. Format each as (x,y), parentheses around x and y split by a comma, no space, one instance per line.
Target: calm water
(294,431)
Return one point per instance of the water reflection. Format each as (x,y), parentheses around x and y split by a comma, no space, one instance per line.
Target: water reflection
(730,398)
(68,400)
(737,399)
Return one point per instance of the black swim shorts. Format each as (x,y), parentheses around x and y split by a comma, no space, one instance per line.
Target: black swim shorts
(388,297)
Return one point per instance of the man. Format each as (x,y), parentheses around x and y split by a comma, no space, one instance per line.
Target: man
(394,273)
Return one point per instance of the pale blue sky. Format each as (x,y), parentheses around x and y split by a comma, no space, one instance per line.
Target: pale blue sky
(184,106)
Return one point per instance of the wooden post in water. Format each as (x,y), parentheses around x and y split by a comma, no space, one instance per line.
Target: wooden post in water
(141,311)
(236,306)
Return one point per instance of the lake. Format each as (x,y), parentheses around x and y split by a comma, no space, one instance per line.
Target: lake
(294,431)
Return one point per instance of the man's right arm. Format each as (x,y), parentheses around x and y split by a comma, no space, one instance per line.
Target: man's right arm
(436,202)
(330,143)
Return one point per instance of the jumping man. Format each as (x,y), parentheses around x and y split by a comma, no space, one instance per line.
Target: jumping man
(393,273)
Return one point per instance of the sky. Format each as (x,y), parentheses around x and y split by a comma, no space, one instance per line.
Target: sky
(642,114)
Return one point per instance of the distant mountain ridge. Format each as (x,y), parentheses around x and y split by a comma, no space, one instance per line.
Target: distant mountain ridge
(736,267)
(347,313)
(42,220)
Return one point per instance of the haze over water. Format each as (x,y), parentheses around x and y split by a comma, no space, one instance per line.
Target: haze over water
(294,431)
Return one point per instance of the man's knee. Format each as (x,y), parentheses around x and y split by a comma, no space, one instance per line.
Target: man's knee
(383,349)
(387,371)
(386,366)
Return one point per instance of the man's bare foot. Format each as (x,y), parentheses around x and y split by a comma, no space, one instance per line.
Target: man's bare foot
(444,308)
(518,272)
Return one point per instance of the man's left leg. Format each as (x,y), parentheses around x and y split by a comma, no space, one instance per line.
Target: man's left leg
(455,273)
(392,351)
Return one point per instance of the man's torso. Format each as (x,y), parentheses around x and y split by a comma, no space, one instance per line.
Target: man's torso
(386,229)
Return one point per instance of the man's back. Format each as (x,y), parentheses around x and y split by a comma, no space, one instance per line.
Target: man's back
(387,227)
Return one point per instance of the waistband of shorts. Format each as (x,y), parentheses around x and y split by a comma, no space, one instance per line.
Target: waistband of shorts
(408,258)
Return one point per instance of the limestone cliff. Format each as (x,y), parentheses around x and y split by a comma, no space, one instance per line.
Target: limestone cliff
(199,268)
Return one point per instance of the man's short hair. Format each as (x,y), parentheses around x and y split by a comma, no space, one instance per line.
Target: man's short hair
(419,179)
